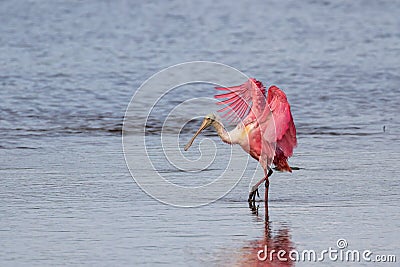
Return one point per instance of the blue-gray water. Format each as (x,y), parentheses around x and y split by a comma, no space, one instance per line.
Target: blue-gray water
(67,73)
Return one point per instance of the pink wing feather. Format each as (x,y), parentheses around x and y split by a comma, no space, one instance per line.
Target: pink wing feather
(240,99)
(285,129)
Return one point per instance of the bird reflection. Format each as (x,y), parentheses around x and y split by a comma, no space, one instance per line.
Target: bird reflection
(273,249)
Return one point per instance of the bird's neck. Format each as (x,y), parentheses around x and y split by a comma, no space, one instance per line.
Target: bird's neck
(222,133)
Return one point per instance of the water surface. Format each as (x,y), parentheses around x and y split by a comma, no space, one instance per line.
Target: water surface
(69,69)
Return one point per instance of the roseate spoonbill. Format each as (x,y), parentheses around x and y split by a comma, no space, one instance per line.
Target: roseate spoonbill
(265,130)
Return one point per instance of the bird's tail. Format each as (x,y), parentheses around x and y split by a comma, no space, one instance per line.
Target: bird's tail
(283,166)
(280,161)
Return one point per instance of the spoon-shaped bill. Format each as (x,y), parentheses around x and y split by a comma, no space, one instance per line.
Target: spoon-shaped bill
(204,125)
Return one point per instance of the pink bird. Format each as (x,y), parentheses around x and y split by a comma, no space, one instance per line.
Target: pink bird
(265,130)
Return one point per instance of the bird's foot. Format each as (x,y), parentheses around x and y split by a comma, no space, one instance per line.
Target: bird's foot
(253,193)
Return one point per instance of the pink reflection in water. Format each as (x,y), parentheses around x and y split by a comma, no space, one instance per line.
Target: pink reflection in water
(271,250)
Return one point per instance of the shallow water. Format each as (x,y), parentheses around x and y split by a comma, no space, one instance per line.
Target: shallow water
(70,69)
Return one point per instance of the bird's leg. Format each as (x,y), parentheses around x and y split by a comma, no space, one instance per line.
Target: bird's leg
(266,198)
(266,194)
(254,189)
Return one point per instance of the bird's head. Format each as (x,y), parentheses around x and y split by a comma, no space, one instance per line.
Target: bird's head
(207,122)
(210,118)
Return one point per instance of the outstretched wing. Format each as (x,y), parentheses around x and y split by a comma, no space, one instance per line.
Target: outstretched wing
(284,125)
(242,99)
(248,102)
